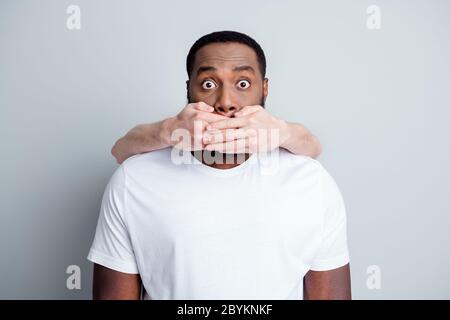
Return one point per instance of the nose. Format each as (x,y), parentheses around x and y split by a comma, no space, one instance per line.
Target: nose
(225,104)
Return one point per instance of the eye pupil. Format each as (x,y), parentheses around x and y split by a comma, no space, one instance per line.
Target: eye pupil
(207,85)
(243,84)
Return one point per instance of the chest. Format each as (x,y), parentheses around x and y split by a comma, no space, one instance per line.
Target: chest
(242,216)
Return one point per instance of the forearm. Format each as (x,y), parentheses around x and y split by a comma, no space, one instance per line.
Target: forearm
(301,141)
(142,138)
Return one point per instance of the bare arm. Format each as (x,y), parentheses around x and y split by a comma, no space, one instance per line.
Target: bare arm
(328,285)
(114,285)
(301,141)
(153,136)
(142,138)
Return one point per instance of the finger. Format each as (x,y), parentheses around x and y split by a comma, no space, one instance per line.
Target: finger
(228,123)
(202,106)
(235,146)
(215,136)
(210,135)
(247,110)
(211,117)
(249,144)
(222,135)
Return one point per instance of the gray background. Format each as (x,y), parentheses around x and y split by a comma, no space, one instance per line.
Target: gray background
(378,100)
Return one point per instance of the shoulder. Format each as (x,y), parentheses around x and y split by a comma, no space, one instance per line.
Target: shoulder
(149,167)
(303,167)
(295,164)
(148,163)
(156,157)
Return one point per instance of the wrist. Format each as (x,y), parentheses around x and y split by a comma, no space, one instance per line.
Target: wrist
(285,134)
(165,132)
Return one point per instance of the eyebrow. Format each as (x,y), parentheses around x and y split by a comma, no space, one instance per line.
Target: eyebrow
(238,68)
(205,69)
(244,68)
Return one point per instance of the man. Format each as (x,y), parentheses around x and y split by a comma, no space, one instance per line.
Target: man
(222,230)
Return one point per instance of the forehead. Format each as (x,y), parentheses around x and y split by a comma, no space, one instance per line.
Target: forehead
(226,55)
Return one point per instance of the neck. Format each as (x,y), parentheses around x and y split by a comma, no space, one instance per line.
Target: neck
(220,160)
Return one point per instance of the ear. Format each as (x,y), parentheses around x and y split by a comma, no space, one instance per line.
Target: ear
(187,91)
(265,88)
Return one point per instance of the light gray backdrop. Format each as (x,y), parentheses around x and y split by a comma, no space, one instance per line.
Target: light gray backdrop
(378,100)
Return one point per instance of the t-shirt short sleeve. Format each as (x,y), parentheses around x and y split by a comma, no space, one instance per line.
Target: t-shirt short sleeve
(112,246)
(333,251)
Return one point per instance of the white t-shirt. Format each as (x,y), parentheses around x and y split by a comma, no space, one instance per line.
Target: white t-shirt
(196,232)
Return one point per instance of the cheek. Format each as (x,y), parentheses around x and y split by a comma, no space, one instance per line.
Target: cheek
(207,97)
(250,97)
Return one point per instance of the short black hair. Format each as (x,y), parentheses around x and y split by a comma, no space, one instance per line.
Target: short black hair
(223,37)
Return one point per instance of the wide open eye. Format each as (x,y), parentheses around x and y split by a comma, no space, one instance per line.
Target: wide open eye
(208,84)
(243,84)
